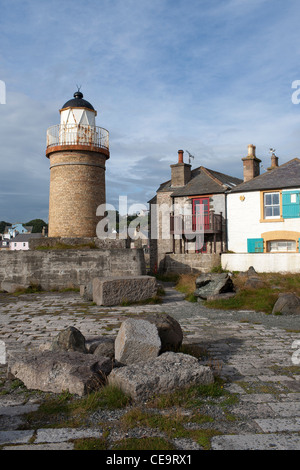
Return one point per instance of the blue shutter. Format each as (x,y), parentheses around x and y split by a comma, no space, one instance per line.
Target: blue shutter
(255,245)
(290,210)
(299,244)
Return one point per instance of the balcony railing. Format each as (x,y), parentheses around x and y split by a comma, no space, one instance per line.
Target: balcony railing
(195,224)
(77,134)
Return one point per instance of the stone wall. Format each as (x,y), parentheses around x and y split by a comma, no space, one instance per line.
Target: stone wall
(58,269)
(262,262)
(190,263)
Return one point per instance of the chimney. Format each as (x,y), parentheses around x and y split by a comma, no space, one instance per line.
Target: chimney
(274,160)
(180,172)
(251,164)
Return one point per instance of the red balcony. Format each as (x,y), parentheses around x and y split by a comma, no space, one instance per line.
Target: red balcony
(195,224)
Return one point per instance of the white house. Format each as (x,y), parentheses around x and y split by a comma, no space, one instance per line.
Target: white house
(21,241)
(263,218)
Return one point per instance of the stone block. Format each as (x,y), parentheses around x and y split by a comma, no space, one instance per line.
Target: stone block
(116,290)
(11,287)
(164,374)
(213,284)
(56,372)
(69,339)
(169,331)
(137,341)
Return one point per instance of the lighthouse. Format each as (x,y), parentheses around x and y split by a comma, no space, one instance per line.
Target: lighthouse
(77,150)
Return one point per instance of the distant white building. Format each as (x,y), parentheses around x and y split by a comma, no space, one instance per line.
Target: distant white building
(21,241)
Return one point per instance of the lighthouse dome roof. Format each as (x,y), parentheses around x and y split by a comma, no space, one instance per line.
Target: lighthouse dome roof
(78,102)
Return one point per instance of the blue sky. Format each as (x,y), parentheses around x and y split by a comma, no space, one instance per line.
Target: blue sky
(207,76)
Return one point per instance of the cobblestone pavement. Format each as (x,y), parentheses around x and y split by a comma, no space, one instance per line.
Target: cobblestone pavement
(256,354)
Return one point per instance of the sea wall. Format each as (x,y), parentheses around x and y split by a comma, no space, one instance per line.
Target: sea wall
(59,269)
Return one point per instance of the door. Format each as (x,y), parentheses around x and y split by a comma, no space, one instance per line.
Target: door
(200,221)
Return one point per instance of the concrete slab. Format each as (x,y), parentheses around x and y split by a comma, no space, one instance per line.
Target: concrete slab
(256,442)
(279,424)
(15,437)
(65,434)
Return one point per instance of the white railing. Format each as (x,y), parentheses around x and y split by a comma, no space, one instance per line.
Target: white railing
(77,134)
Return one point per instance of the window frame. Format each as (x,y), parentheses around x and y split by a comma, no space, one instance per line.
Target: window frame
(269,250)
(272,218)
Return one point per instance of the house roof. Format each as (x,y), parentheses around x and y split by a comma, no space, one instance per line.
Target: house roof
(203,181)
(25,237)
(283,177)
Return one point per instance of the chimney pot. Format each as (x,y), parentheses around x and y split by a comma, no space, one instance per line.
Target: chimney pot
(180,156)
(251,150)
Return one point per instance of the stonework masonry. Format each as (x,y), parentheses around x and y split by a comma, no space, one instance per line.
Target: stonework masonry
(77,188)
(59,269)
(189,263)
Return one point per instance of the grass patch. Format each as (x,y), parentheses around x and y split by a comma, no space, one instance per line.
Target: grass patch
(31,289)
(189,397)
(145,443)
(90,444)
(186,284)
(260,300)
(66,410)
(65,246)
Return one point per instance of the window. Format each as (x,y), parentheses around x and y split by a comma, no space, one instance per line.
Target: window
(281,245)
(271,205)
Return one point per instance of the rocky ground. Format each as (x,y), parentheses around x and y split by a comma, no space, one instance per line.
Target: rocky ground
(255,404)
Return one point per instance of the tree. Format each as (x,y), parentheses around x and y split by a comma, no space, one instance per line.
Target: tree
(37,225)
(3,225)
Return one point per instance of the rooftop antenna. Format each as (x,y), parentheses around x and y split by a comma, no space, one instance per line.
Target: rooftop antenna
(190,157)
(272,151)
(78,87)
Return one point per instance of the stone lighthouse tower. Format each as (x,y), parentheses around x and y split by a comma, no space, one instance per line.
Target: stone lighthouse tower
(77,150)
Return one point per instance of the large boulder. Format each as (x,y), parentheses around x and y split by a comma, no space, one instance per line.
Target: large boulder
(160,375)
(69,339)
(169,331)
(104,347)
(117,290)
(253,281)
(61,371)
(137,341)
(287,304)
(210,284)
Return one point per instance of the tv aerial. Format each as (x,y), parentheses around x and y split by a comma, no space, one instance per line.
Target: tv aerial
(191,157)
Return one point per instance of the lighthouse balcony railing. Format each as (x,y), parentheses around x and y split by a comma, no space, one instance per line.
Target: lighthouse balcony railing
(77,134)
